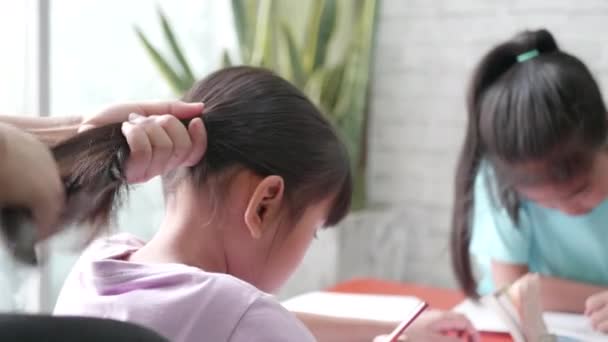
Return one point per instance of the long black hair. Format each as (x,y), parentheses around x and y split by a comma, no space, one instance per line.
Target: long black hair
(527,101)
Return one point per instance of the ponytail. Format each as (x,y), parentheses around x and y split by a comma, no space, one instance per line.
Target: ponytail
(253,118)
(520,109)
(91,166)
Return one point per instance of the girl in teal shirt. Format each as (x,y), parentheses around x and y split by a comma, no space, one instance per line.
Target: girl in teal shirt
(532,179)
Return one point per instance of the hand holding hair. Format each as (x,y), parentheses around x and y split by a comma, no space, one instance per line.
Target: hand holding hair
(150,147)
(29,178)
(161,143)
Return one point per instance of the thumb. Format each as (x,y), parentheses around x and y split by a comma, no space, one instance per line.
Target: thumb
(46,207)
(594,303)
(45,217)
(85,127)
(185,110)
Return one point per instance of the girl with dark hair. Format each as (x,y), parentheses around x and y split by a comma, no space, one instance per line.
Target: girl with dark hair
(532,178)
(237,223)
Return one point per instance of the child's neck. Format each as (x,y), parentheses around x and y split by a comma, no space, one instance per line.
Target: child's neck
(183,239)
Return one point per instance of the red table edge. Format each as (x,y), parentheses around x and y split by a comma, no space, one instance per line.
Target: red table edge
(437,298)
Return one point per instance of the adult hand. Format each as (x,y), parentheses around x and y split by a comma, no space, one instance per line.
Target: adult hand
(29,178)
(159,142)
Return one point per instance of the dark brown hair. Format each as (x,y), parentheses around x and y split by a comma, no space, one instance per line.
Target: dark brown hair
(254,119)
(547,108)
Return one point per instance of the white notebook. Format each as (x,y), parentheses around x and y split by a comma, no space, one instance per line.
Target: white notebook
(562,324)
(384,308)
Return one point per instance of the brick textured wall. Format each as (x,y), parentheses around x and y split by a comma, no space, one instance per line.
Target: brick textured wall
(426,50)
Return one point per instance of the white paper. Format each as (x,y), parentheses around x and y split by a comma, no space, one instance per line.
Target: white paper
(383,308)
(572,325)
(483,318)
(562,324)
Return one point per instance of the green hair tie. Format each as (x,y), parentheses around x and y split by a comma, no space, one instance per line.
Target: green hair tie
(527,55)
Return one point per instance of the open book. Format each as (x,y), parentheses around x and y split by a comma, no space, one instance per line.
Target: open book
(495,314)
(382,308)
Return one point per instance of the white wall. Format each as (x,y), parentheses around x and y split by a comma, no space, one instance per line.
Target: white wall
(13,37)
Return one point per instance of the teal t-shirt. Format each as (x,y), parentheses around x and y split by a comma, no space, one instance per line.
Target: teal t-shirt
(547,241)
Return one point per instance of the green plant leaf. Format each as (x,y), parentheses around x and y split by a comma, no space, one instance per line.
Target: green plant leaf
(340,89)
(177,84)
(262,39)
(331,87)
(320,27)
(272,50)
(243,28)
(295,64)
(346,93)
(187,74)
(314,88)
(327,24)
(353,94)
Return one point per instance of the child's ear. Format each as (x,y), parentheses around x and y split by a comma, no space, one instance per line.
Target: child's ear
(264,205)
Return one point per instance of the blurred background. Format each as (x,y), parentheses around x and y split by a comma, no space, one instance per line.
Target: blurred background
(390,74)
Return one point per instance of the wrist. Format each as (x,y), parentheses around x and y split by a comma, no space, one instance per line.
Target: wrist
(8,134)
(56,129)
(53,136)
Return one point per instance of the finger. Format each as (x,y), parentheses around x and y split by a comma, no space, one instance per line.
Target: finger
(599,317)
(472,336)
(119,112)
(451,321)
(85,127)
(384,338)
(464,335)
(443,338)
(179,109)
(140,152)
(135,118)
(475,337)
(115,114)
(455,322)
(162,147)
(456,326)
(594,303)
(180,137)
(198,136)
(602,327)
(430,336)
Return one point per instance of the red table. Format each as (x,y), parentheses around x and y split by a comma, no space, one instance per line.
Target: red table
(436,298)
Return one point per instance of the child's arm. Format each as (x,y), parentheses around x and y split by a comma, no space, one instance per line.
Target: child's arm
(596,308)
(557,294)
